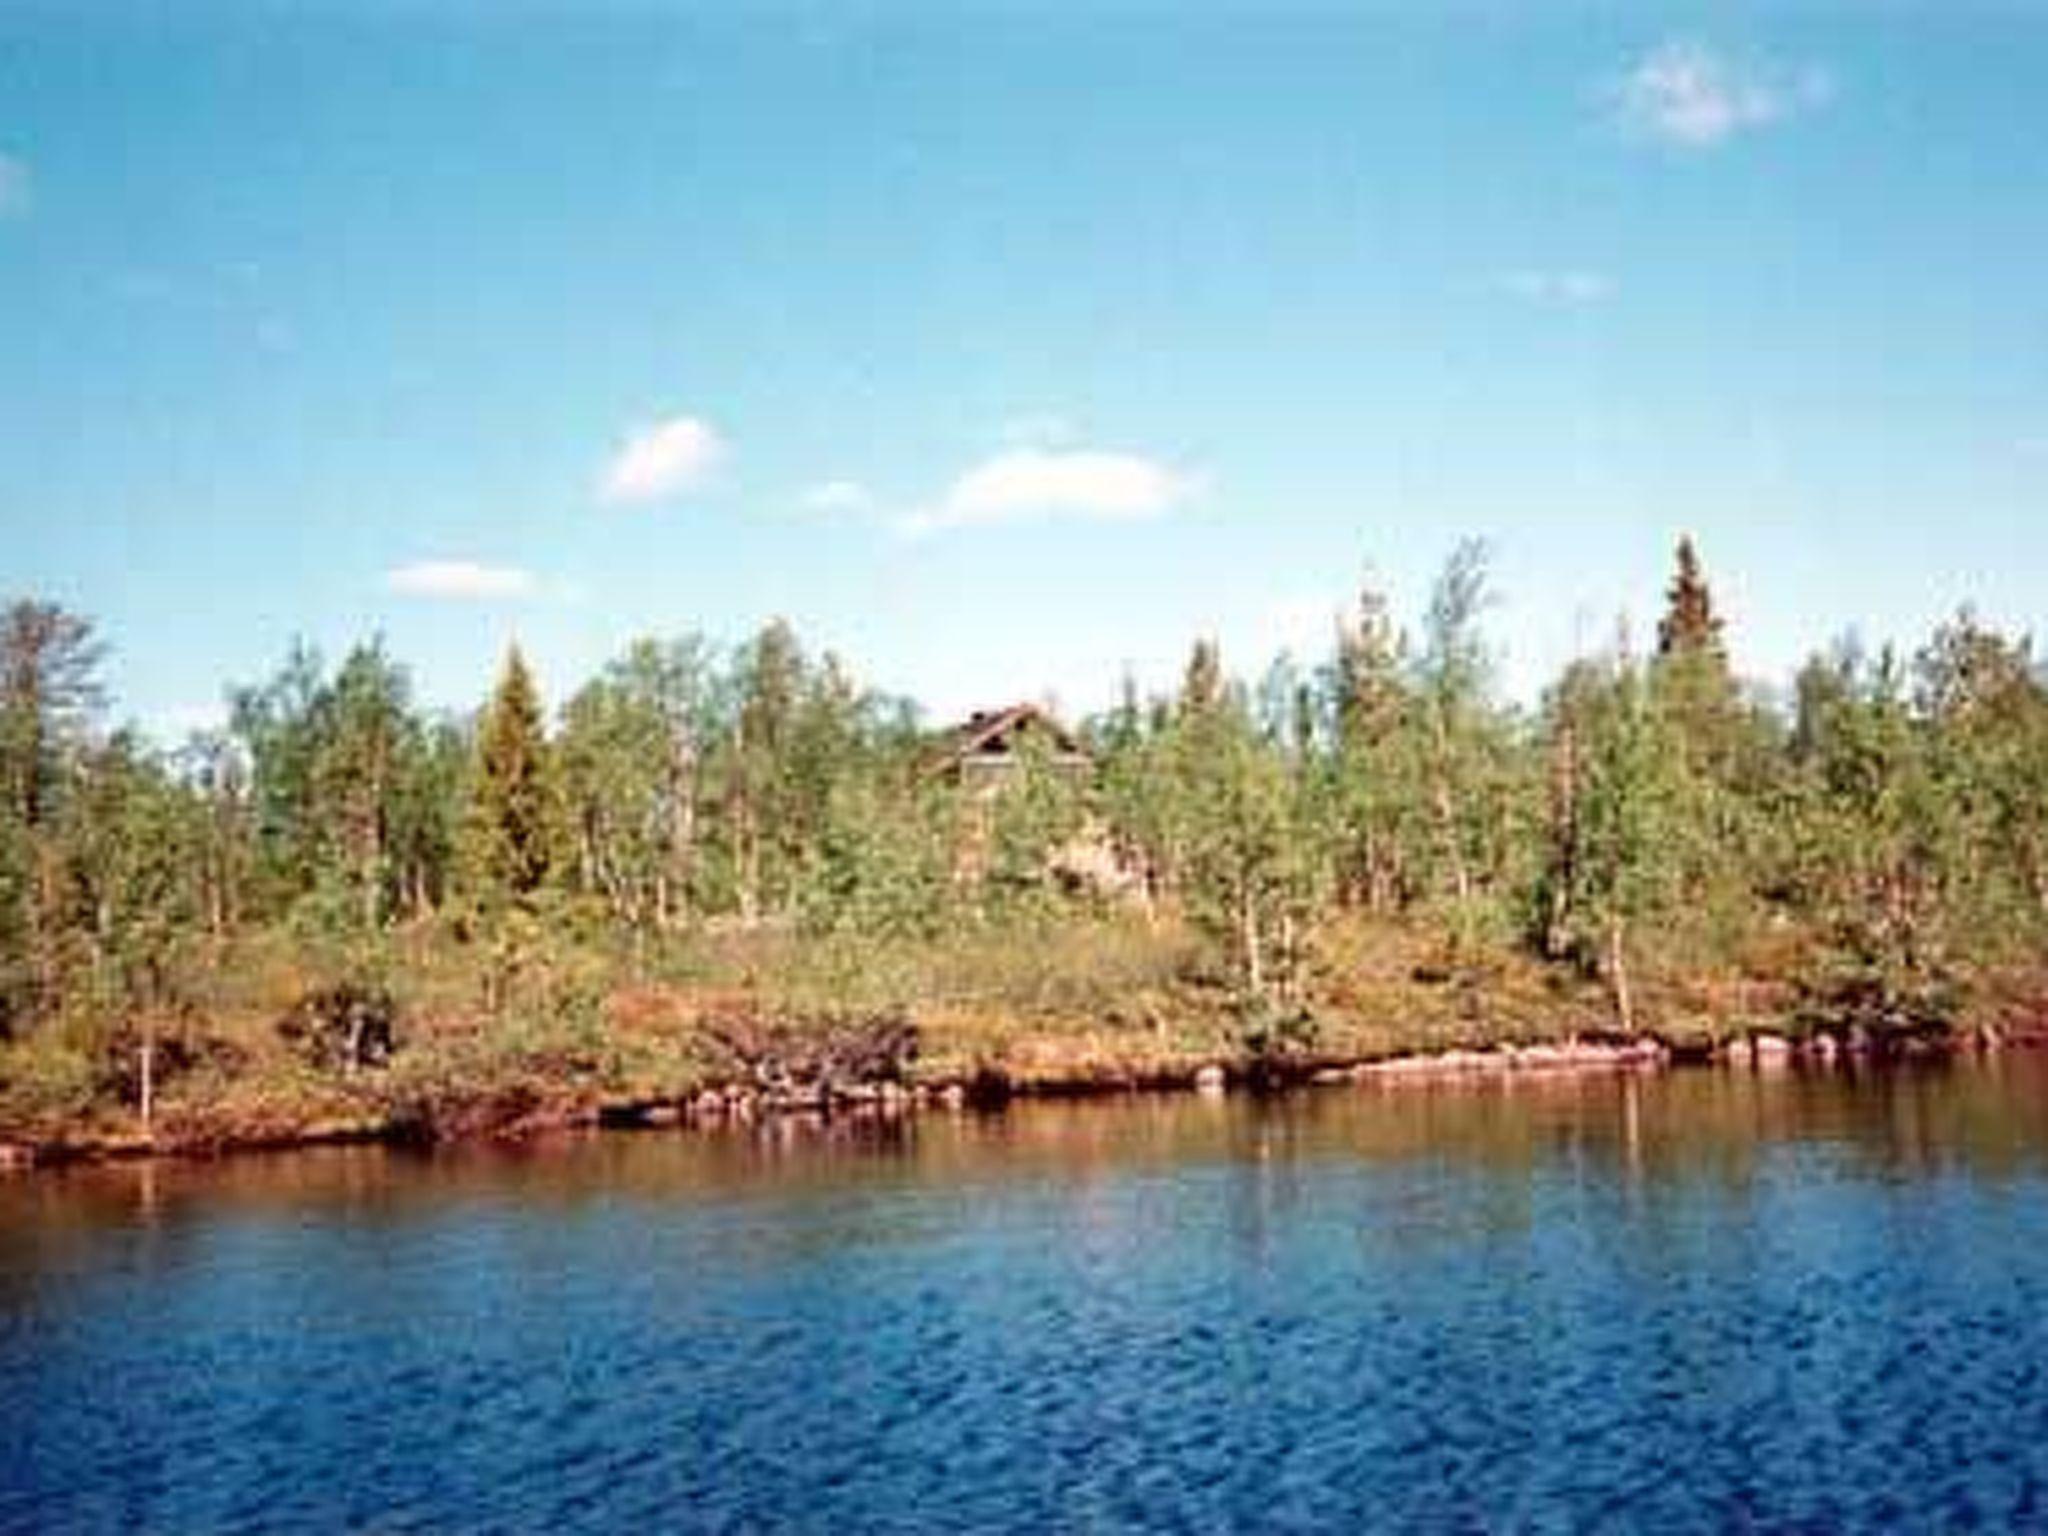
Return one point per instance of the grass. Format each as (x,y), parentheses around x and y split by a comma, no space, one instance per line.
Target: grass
(576,1026)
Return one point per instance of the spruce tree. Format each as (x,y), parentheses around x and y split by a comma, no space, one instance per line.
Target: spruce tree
(1201,688)
(1719,747)
(512,813)
(1689,626)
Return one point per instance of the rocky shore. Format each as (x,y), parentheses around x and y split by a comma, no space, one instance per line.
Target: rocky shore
(513,1116)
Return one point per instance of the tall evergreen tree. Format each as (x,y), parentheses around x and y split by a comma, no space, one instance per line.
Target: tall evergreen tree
(512,812)
(1689,623)
(1201,688)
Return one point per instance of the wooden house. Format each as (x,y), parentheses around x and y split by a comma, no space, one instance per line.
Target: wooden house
(991,747)
(988,752)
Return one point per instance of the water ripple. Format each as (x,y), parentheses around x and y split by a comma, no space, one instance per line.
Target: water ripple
(1336,1313)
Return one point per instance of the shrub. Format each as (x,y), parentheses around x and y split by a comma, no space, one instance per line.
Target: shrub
(344,1027)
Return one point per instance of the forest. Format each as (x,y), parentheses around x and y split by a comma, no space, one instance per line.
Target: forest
(706,862)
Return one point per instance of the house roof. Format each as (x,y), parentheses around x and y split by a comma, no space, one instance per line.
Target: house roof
(986,731)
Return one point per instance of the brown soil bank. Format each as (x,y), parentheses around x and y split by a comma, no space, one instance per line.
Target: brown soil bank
(401,1111)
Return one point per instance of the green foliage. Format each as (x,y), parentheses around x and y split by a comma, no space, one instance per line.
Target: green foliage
(1617,818)
(884,860)
(1459,733)
(1376,763)
(512,820)
(49,694)
(1236,823)
(1873,853)
(1039,811)
(1690,627)
(333,784)
(631,751)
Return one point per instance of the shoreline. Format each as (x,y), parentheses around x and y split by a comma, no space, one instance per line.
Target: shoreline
(989,1089)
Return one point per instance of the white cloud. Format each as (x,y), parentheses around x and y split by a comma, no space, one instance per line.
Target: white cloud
(16,188)
(1570,288)
(1032,483)
(837,496)
(1687,94)
(461,579)
(663,459)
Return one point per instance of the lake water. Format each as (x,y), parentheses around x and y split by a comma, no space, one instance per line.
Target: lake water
(1704,1301)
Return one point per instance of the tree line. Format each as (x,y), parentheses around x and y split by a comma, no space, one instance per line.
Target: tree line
(1872,841)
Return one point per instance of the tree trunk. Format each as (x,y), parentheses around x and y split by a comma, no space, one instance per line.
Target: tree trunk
(674,885)
(1290,966)
(750,864)
(147,1093)
(1564,814)
(1445,805)
(32,932)
(216,899)
(1617,976)
(1248,934)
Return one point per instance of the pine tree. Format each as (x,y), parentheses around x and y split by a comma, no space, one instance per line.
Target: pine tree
(1201,688)
(1717,816)
(1689,625)
(512,812)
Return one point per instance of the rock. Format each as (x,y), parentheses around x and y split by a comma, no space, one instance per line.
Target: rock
(1210,1080)
(1770,1051)
(953,1096)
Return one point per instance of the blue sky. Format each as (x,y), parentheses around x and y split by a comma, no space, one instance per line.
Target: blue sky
(1002,346)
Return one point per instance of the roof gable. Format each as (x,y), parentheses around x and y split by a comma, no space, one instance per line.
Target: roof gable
(991,733)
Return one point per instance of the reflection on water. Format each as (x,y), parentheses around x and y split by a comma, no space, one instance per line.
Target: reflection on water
(1696,1300)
